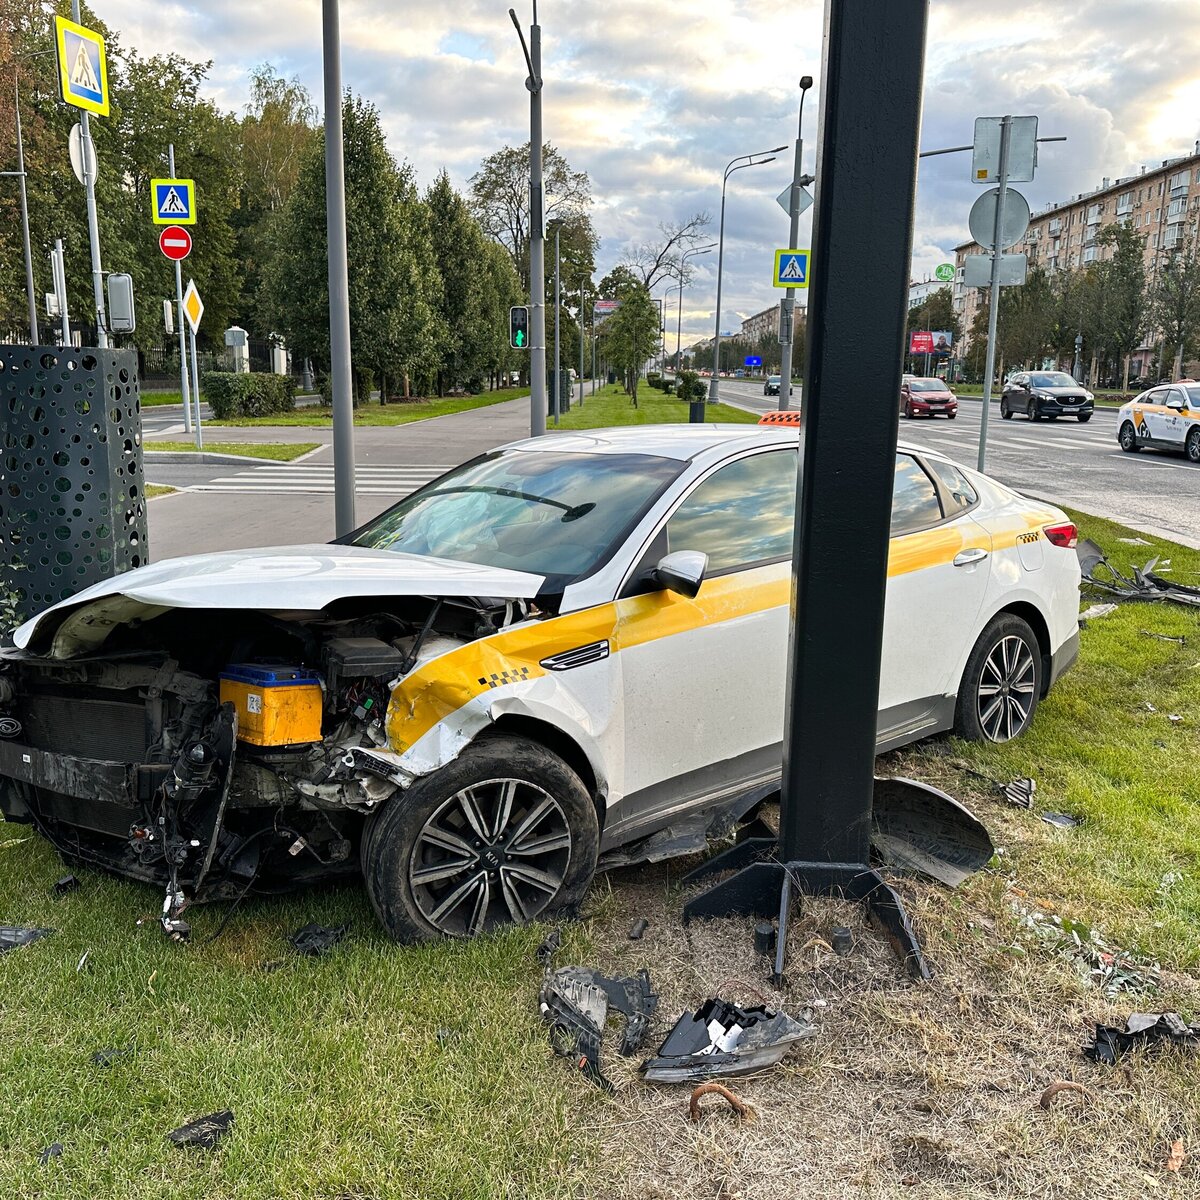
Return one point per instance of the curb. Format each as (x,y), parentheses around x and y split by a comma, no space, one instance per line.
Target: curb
(181,457)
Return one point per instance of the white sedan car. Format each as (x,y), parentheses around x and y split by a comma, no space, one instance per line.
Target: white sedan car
(565,654)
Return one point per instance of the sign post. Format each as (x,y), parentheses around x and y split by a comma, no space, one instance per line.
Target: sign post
(83,83)
(193,310)
(998,230)
(184,394)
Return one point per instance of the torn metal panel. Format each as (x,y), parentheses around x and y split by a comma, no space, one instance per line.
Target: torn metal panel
(722,1040)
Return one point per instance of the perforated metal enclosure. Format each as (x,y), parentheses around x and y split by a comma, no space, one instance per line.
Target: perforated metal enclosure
(72,503)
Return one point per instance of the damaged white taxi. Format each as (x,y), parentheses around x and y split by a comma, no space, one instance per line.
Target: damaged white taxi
(567,654)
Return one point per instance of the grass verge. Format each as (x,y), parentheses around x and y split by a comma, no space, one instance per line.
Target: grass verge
(280,451)
(611,406)
(157,489)
(399,1072)
(380,414)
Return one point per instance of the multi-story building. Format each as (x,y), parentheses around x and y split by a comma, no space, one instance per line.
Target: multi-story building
(920,291)
(765,323)
(1162,204)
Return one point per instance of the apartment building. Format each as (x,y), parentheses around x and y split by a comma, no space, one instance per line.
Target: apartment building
(1162,204)
(765,323)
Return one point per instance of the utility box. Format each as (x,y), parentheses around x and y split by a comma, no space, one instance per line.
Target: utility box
(281,360)
(237,340)
(121,318)
(72,501)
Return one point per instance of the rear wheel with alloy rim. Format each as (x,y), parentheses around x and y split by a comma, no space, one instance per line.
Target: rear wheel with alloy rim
(1002,682)
(504,834)
(1128,438)
(1192,446)
(1005,411)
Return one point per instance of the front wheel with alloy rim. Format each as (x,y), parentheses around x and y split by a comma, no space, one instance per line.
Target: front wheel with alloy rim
(1128,438)
(1031,411)
(1002,682)
(1192,446)
(505,834)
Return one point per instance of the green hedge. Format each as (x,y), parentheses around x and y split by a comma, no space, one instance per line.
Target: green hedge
(257,394)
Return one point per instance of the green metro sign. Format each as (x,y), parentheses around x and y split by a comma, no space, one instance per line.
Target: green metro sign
(518,326)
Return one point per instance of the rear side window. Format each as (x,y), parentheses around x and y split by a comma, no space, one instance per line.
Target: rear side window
(915,503)
(741,515)
(959,492)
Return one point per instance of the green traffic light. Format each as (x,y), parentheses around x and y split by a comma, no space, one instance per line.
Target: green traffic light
(520,338)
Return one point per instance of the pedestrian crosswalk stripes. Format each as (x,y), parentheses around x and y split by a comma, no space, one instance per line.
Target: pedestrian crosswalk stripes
(318,478)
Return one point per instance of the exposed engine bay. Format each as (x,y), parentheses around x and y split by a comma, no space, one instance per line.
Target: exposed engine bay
(215,753)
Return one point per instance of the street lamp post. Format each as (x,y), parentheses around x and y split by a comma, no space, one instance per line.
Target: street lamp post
(557,309)
(537,228)
(788,307)
(582,289)
(20,173)
(693,253)
(696,414)
(1077,371)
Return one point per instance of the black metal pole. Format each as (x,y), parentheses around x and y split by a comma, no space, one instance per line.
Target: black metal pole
(861,246)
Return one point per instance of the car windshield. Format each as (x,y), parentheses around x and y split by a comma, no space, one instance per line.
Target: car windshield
(773,378)
(547,512)
(1052,379)
(926,385)
(1193,395)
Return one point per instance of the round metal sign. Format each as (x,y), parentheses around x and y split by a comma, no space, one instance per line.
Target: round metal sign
(944,272)
(175,242)
(1014,220)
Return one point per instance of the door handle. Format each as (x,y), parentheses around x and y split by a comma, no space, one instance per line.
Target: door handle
(968,557)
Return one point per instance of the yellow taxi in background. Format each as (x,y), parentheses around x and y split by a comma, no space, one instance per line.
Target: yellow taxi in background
(1164,418)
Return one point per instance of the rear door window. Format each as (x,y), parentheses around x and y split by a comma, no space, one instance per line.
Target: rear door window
(958,493)
(915,503)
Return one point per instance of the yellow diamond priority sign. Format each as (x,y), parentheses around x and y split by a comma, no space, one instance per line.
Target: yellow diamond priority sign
(193,306)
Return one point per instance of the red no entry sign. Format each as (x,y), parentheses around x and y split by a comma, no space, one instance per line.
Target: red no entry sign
(175,242)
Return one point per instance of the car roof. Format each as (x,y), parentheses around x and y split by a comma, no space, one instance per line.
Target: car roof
(682,442)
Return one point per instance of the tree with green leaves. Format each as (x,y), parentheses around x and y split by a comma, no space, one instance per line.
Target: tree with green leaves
(1026,319)
(1125,306)
(630,335)
(1174,298)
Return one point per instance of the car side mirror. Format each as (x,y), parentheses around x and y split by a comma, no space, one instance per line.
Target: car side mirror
(682,572)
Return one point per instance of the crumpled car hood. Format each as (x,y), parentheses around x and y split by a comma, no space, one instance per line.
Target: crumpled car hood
(306,577)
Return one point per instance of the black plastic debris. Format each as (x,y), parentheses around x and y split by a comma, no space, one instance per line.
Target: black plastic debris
(68,883)
(313,940)
(638,929)
(205,1132)
(549,947)
(12,936)
(54,1150)
(916,827)
(1018,791)
(1154,1030)
(1144,584)
(575,1002)
(842,941)
(1062,820)
(720,1040)
(764,939)
(106,1058)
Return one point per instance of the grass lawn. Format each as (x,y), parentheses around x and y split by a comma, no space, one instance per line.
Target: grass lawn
(280,451)
(1104,399)
(382,1072)
(381,414)
(611,406)
(157,489)
(156,399)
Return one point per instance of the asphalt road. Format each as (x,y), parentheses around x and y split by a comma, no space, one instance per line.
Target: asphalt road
(1063,461)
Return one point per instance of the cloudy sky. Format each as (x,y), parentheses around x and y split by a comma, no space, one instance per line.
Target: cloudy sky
(653,97)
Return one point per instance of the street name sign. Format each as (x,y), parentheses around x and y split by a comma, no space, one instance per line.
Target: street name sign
(791,269)
(82,66)
(173,201)
(193,307)
(175,242)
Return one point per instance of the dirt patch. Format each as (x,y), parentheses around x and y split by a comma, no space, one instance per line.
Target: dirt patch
(927,1090)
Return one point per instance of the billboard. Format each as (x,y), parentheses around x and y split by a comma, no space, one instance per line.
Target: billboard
(602,309)
(924,341)
(943,341)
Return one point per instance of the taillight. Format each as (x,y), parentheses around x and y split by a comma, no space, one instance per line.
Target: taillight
(1065,535)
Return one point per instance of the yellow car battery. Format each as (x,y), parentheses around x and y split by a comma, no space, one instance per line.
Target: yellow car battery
(276,705)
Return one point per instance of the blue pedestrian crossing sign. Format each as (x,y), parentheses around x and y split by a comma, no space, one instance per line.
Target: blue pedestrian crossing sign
(82,66)
(791,268)
(173,201)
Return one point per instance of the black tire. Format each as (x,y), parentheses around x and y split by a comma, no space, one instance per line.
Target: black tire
(1005,411)
(908,412)
(1191,448)
(497,884)
(1084,418)
(1031,411)
(1005,667)
(952,415)
(1128,439)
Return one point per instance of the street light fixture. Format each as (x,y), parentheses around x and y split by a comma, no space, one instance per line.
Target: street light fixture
(757,159)
(693,253)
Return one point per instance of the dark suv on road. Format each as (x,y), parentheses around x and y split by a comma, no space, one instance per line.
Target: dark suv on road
(1049,394)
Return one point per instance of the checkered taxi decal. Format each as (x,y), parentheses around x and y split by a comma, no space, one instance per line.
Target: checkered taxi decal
(500,678)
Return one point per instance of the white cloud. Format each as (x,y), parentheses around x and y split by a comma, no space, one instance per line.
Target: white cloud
(653,97)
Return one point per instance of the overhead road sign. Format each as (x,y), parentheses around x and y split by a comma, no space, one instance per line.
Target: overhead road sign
(944,272)
(791,269)
(175,242)
(1014,220)
(193,306)
(82,66)
(518,327)
(173,201)
(977,270)
(1022,150)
